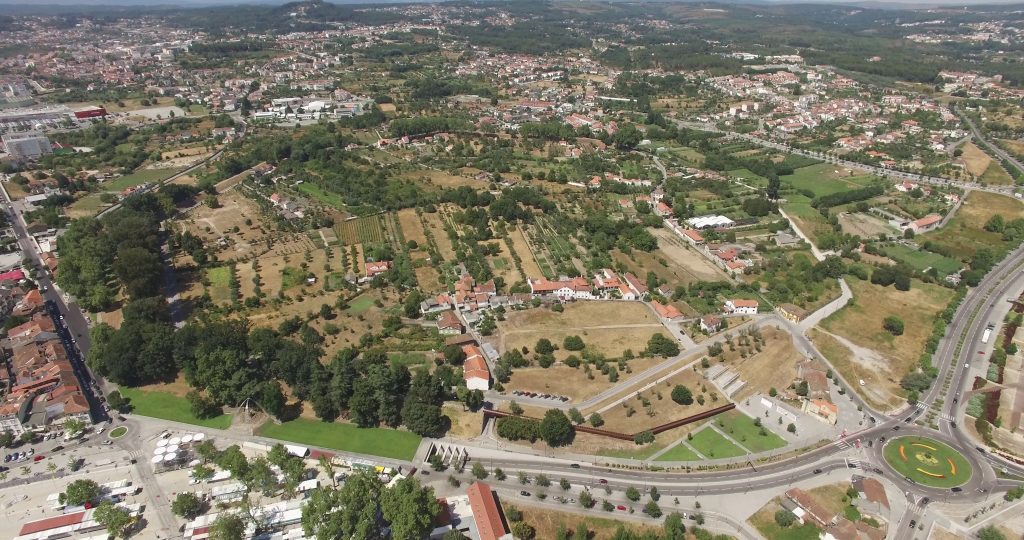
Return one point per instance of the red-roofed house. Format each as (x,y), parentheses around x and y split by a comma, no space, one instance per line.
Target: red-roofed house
(635,284)
(490,524)
(374,268)
(926,223)
(448,324)
(741,306)
(666,311)
(475,370)
(823,410)
(693,237)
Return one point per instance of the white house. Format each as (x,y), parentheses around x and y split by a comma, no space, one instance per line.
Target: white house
(741,306)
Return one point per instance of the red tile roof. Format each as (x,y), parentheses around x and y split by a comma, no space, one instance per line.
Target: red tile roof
(52,523)
(486,512)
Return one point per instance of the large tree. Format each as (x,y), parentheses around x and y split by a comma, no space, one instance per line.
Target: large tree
(227,527)
(187,505)
(80,492)
(349,512)
(410,509)
(556,428)
(116,519)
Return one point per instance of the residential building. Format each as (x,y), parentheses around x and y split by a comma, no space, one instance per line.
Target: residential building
(487,514)
(666,311)
(925,224)
(792,312)
(741,306)
(823,410)
(475,371)
(710,323)
(448,324)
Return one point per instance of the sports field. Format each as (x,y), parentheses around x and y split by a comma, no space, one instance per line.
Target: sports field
(927,461)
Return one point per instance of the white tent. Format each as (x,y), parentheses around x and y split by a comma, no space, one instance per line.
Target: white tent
(198,437)
(172,448)
(161,443)
(170,456)
(174,441)
(159,450)
(186,439)
(156,459)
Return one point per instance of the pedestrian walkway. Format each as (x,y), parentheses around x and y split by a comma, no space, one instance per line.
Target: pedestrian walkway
(680,442)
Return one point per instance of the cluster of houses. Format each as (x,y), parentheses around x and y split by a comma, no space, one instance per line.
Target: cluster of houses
(37,381)
(871,501)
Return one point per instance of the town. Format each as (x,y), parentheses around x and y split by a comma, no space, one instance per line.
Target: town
(470,270)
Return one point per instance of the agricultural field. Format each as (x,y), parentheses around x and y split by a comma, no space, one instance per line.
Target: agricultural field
(882,359)
(922,260)
(138,178)
(974,159)
(364,230)
(685,263)
(320,194)
(519,243)
(865,225)
(965,232)
(996,175)
(806,217)
(633,325)
(826,178)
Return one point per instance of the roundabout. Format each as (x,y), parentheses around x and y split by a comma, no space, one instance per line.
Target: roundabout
(118,432)
(927,461)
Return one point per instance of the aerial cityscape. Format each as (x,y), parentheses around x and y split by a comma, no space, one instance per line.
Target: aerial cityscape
(538,269)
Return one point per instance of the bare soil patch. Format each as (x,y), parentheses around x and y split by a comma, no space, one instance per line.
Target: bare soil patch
(606,327)
(573,383)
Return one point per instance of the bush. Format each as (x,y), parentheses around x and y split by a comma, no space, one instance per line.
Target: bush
(784,518)
(682,395)
(662,346)
(893,325)
(573,343)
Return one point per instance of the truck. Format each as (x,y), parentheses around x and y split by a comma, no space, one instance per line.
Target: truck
(988,333)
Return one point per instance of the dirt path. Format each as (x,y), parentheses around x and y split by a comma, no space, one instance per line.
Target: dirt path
(871,361)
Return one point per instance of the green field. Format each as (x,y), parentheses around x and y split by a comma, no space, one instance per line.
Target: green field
(766,525)
(345,437)
(679,452)
(220,284)
(364,230)
(318,193)
(748,177)
(168,406)
(921,259)
(742,428)
(823,180)
(140,177)
(360,305)
(713,445)
(927,461)
(807,217)
(118,432)
(407,358)
(292,277)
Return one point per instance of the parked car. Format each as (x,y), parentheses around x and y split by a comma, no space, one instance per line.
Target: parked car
(40,457)
(621,507)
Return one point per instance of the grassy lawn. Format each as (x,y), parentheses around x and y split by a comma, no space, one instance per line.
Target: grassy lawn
(318,193)
(292,277)
(741,427)
(139,177)
(713,445)
(922,260)
(360,305)
(806,217)
(86,206)
(749,177)
(118,432)
(345,437)
(764,522)
(927,461)
(168,406)
(407,358)
(220,283)
(823,179)
(679,453)
(643,452)
(965,233)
